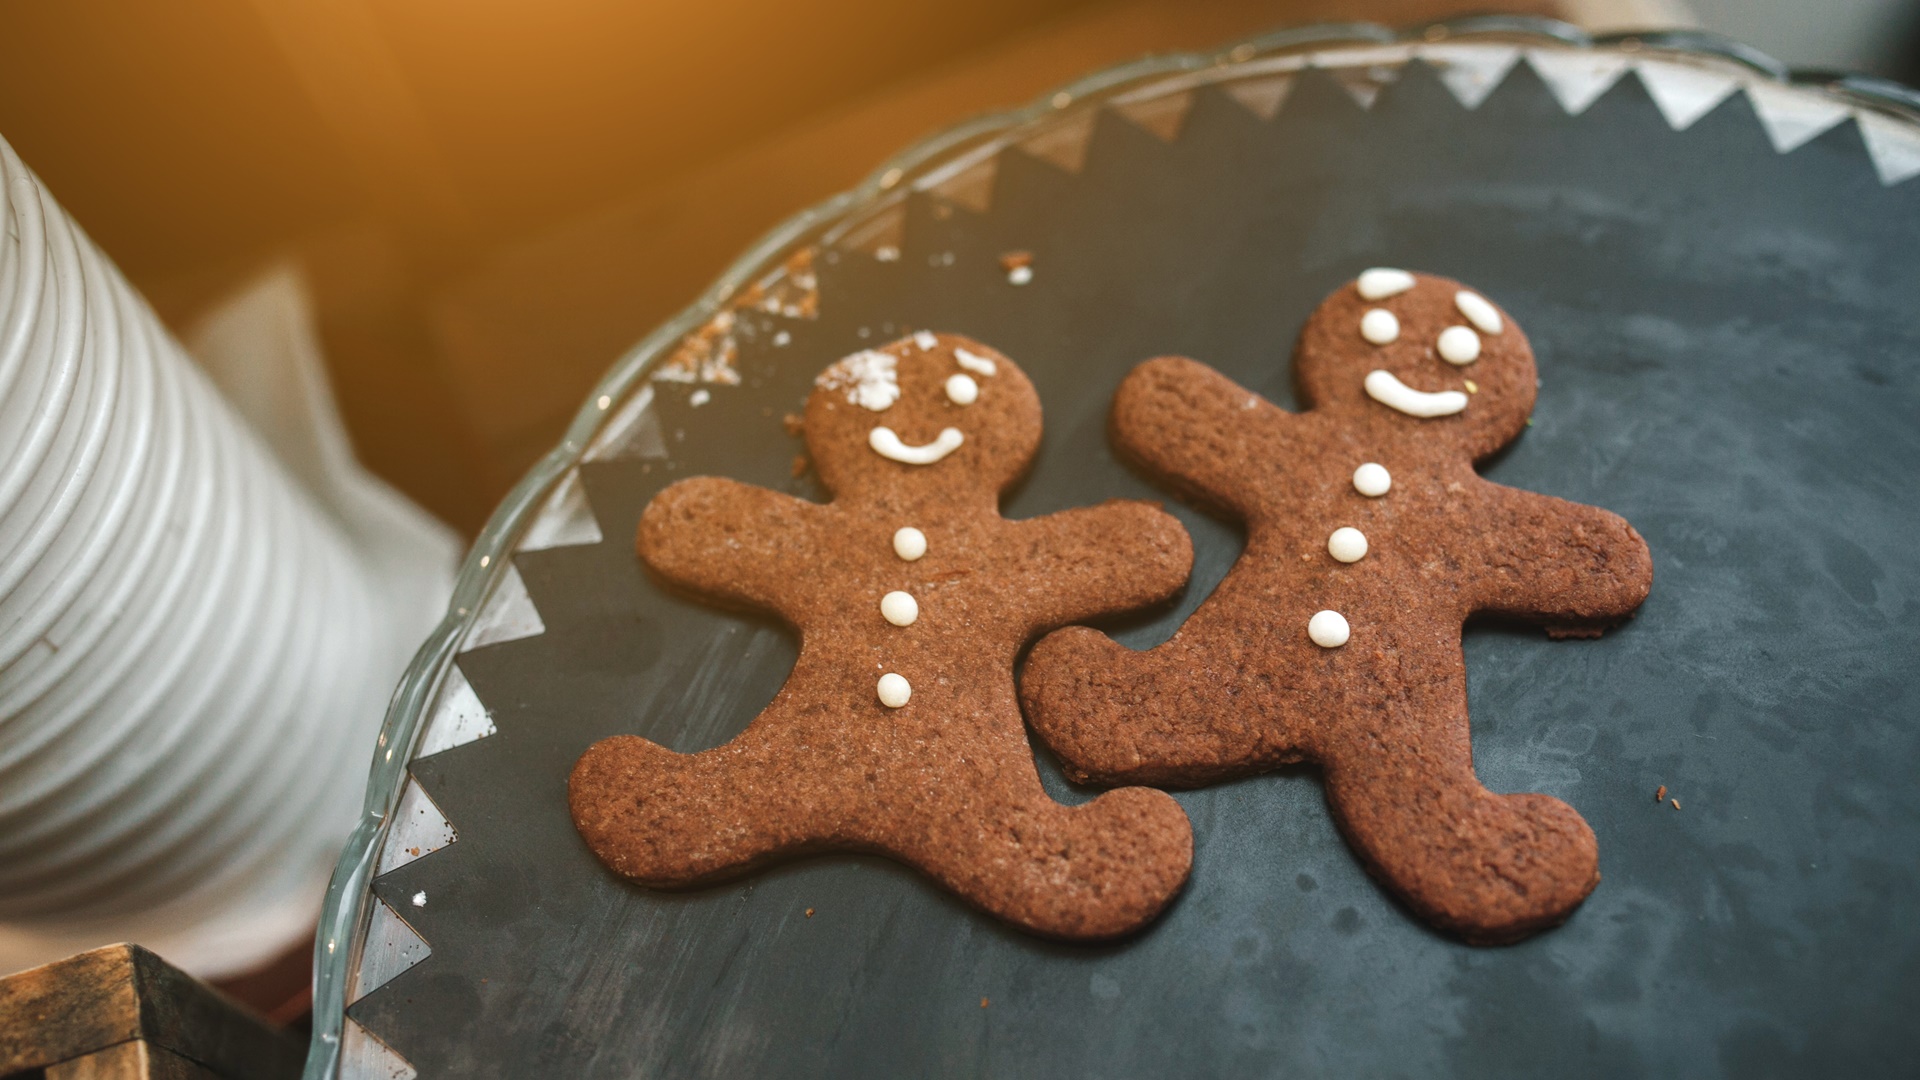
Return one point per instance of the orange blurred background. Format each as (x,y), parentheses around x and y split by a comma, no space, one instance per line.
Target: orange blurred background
(492,200)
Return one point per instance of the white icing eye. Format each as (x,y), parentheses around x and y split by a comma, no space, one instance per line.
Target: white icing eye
(1328,629)
(901,609)
(1372,480)
(894,690)
(909,543)
(1458,345)
(1382,282)
(1478,311)
(1349,545)
(1387,389)
(1379,326)
(962,390)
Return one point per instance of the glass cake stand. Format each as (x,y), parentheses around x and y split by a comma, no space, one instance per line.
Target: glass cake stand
(365,940)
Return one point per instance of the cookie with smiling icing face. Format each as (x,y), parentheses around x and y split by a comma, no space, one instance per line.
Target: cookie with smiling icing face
(1335,638)
(899,731)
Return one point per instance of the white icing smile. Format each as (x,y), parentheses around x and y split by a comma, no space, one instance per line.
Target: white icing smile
(887,444)
(1384,388)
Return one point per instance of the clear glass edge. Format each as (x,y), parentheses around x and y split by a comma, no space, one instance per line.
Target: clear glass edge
(349,898)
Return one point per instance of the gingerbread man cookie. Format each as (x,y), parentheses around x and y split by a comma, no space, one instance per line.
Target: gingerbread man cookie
(899,731)
(1335,638)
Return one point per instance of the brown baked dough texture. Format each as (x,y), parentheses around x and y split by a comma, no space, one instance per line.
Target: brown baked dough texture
(1241,688)
(946,783)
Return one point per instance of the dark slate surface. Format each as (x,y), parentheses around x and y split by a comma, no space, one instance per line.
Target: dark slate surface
(1728,341)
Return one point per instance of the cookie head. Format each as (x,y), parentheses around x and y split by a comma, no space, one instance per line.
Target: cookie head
(1421,351)
(927,411)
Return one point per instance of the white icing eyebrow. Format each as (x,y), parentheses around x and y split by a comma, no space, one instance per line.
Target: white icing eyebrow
(1384,388)
(886,442)
(1478,311)
(979,365)
(1382,282)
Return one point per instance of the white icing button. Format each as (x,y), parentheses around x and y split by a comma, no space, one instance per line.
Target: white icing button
(1388,390)
(1478,311)
(1372,480)
(901,609)
(1328,629)
(962,390)
(894,690)
(910,543)
(1458,345)
(974,362)
(1347,544)
(887,444)
(1382,282)
(1379,326)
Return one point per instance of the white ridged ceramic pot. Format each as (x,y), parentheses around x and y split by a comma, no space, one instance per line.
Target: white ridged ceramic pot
(195,648)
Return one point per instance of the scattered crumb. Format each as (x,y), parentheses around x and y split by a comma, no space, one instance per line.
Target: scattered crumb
(782,339)
(1661,795)
(420,899)
(809,913)
(799,465)
(1472,387)
(1529,421)
(888,253)
(699,397)
(983,1003)
(414,851)
(794,423)
(1020,275)
(1014,260)
(1675,802)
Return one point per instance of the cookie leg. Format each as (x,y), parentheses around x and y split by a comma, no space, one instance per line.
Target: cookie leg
(1116,716)
(1098,870)
(672,820)
(1490,868)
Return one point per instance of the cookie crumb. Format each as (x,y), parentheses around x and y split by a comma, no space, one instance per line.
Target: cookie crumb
(1661,795)
(1020,275)
(794,423)
(799,465)
(1014,260)
(1675,802)
(983,1003)
(809,913)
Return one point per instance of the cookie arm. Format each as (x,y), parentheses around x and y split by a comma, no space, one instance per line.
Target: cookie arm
(1577,569)
(729,541)
(1101,560)
(1193,429)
